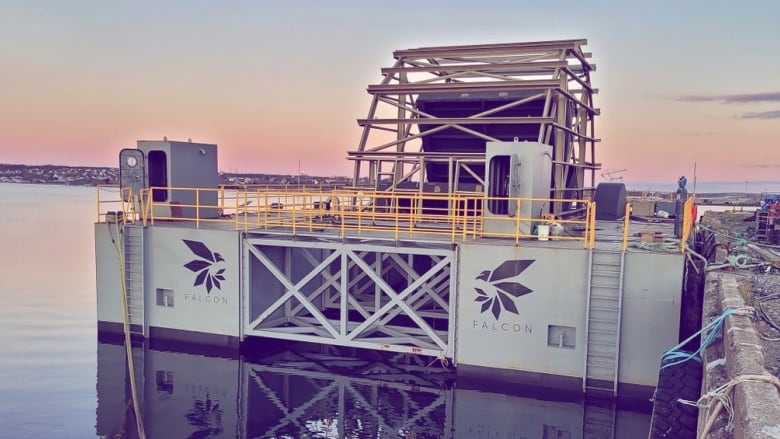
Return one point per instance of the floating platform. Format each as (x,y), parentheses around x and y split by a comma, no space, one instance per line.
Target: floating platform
(591,308)
(470,234)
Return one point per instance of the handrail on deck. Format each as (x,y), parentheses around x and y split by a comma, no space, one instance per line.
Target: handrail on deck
(456,216)
(114,204)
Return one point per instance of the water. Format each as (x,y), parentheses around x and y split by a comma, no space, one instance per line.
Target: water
(59,381)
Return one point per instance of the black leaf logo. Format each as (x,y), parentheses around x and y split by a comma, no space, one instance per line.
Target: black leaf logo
(498,292)
(207,273)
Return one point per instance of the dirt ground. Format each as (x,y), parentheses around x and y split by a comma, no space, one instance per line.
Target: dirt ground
(760,285)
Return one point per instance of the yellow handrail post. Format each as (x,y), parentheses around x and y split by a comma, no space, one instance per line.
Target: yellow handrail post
(593,227)
(221,195)
(359,214)
(687,223)
(626,225)
(97,204)
(412,210)
(265,210)
(343,220)
(235,214)
(197,208)
(455,211)
(294,223)
(151,205)
(395,206)
(517,222)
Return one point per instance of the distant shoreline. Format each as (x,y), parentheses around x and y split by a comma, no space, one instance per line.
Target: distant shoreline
(95,176)
(710,193)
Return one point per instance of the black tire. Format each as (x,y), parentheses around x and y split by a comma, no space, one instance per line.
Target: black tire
(672,419)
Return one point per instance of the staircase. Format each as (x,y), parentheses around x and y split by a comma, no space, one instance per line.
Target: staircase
(763,230)
(602,327)
(133,242)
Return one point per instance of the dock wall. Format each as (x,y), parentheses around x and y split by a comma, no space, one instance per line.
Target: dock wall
(736,354)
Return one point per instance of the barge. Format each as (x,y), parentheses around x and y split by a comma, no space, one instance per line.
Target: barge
(473,233)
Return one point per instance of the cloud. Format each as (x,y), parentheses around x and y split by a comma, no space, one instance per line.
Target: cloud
(744,98)
(773,114)
(759,165)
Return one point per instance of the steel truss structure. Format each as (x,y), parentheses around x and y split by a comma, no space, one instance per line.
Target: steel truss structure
(314,396)
(374,296)
(537,91)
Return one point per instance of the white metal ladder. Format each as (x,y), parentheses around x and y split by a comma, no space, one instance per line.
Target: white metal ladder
(133,242)
(598,419)
(602,320)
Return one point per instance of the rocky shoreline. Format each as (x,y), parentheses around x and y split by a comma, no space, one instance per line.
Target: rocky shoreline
(94,176)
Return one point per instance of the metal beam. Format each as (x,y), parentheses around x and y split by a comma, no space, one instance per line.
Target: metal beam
(459,120)
(461,87)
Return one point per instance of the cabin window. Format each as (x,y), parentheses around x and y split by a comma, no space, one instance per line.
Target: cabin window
(498,192)
(165,297)
(158,175)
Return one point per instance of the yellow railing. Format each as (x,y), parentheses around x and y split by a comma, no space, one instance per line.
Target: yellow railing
(687,224)
(345,212)
(115,205)
(626,226)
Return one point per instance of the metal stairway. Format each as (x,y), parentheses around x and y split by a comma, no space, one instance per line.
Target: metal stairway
(602,321)
(763,229)
(133,243)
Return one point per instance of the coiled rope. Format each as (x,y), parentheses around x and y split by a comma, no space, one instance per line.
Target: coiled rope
(677,356)
(719,399)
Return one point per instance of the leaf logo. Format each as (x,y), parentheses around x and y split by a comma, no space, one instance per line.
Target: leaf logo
(204,267)
(501,294)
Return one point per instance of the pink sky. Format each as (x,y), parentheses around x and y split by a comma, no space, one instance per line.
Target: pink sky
(279,83)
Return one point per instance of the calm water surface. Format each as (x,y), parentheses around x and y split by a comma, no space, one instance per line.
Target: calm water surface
(58,381)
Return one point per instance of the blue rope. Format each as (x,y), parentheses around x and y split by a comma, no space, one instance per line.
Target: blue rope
(676,356)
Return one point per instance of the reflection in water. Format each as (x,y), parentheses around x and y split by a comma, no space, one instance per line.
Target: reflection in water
(320,392)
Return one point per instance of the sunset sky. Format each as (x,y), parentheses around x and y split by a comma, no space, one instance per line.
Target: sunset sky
(275,82)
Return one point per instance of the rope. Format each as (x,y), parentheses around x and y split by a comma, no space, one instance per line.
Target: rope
(441,359)
(737,240)
(739,260)
(720,399)
(676,356)
(126,325)
(668,245)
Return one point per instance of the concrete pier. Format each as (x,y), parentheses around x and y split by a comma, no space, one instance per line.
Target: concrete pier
(737,353)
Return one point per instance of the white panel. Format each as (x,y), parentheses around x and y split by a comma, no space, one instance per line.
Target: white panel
(651,314)
(557,280)
(196,307)
(109,302)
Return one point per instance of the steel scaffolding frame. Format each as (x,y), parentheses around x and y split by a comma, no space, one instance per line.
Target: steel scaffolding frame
(556,73)
(371,296)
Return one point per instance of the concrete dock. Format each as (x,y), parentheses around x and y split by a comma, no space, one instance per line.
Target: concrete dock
(738,357)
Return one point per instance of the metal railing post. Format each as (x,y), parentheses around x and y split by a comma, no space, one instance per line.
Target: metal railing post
(517,221)
(626,225)
(197,208)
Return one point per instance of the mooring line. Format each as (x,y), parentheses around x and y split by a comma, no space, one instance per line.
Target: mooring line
(118,246)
